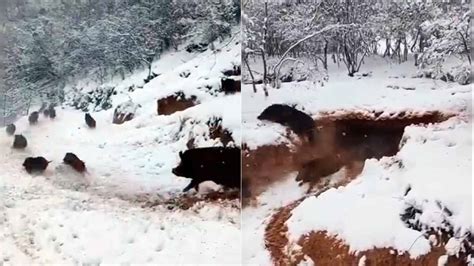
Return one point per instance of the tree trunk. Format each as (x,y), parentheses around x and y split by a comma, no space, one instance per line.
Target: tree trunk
(405,49)
(265,74)
(246,62)
(29,102)
(388,46)
(325,62)
(149,70)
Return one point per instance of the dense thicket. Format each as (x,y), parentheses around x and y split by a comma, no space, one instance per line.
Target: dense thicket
(49,43)
(347,31)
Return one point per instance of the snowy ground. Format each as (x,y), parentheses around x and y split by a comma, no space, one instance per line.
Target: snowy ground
(255,219)
(435,158)
(64,217)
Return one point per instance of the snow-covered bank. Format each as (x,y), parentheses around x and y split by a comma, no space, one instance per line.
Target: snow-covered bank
(61,216)
(433,165)
(389,88)
(434,162)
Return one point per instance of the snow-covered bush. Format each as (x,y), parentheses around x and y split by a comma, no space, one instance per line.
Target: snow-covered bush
(95,100)
(462,74)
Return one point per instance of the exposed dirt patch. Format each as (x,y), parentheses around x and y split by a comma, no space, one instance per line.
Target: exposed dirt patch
(265,165)
(342,140)
(275,235)
(184,202)
(276,240)
(326,250)
(175,103)
(399,118)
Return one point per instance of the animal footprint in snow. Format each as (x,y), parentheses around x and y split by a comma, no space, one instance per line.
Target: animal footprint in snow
(450,144)
(159,247)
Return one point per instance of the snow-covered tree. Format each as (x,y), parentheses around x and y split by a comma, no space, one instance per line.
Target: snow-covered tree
(448,35)
(48,44)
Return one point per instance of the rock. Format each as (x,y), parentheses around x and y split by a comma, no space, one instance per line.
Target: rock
(124,112)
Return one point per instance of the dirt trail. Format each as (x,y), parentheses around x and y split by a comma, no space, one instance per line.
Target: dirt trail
(345,139)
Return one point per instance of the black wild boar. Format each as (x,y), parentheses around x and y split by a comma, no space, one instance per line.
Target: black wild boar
(33,118)
(89,120)
(312,172)
(42,108)
(35,164)
(230,85)
(217,164)
(52,112)
(299,122)
(46,112)
(11,129)
(74,161)
(245,186)
(19,142)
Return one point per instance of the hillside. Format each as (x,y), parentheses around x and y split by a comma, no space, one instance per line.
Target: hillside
(128,206)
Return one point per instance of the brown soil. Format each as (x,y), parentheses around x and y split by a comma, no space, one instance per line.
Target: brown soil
(275,232)
(185,202)
(343,140)
(266,165)
(175,103)
(396,119)
(326,250)
(275,235)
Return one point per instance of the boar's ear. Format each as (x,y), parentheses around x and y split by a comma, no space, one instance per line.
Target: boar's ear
(181,154)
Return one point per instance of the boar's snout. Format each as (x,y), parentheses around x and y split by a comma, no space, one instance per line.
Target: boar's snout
(175,171)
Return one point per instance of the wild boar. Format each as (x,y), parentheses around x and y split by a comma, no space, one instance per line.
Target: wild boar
(218,164)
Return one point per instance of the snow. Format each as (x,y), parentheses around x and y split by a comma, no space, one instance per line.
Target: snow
(344,93)
(127,108)
(434,158)
(453,246)
(61,216)
(365,213)
(443,260)
(307,261)
(255,219)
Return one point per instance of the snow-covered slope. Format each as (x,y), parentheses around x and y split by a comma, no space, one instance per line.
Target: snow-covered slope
(389,88)
(433,164)
(64,217)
